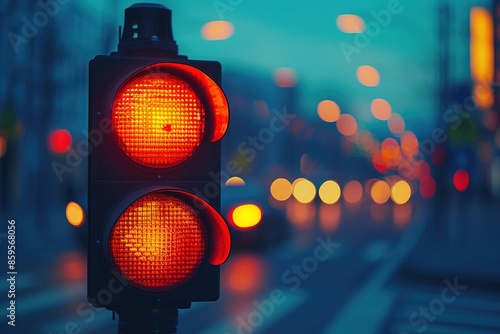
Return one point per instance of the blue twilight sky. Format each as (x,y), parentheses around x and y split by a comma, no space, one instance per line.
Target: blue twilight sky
(303,35)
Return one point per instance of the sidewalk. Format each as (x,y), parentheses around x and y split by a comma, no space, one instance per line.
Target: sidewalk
(462,239)
(450,282)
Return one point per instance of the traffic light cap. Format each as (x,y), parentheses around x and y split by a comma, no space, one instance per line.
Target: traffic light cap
(147,26)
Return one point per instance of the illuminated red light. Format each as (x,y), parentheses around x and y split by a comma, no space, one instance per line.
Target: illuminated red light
(158,119)
(461,180)
(158,242)
(60,141)
(159,114)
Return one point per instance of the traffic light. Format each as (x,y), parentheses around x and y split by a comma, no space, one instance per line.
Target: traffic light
(155,123)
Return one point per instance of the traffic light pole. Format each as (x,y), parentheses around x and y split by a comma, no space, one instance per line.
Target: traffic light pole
(148,321)
(160,118)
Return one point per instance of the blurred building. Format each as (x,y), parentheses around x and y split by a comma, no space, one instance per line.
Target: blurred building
(44,87)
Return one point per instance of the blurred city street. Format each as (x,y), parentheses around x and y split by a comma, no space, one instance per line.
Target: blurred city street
(375,271)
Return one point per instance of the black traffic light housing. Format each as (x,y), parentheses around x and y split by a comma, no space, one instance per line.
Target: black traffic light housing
(116,181)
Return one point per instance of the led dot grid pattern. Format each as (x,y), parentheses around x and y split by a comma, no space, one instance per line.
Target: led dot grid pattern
(158,243)
(158,119)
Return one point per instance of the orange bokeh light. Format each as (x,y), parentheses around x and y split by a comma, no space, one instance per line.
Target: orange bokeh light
(396,124)
(217,30)
(235,181)
(304,191)
(350,23)
(353,192)
(390,149)
(481,44)
(368,76)
(347,125)
(281,189)
(75,214)
(401,192)
(380,192)
(328,111)
(409,144)
(381,109)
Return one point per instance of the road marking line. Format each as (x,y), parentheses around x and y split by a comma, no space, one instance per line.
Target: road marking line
(365,312)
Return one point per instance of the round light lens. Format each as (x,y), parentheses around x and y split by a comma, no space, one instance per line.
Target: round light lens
(158,242)
(158,119)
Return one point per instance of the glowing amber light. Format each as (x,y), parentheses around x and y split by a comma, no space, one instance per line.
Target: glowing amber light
(401,192)
(158,243)
(297,181)
(235,182)
(347,125)
(158,120)
(390,148)
(281,189)
(481,44)
(246,216)
(380,192)
(482,55)
(381,109)
(330,192)
(368,76)
(217,30)
(328,111)
(75,214)
(304,191)
(350,23)
(353,192)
